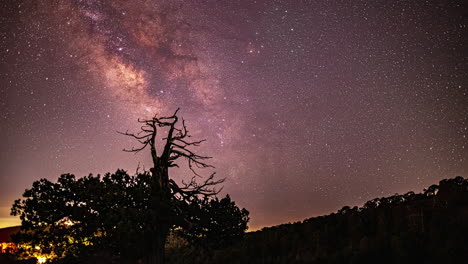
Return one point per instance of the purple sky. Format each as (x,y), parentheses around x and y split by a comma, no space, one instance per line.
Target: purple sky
(307,106)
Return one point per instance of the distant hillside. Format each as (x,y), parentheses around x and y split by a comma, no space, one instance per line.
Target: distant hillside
(430,227)
(6,232)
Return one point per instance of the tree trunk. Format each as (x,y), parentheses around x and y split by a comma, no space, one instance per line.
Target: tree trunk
(159,224)
(155,254)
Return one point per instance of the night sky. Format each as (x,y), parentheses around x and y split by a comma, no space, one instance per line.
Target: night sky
(306,106)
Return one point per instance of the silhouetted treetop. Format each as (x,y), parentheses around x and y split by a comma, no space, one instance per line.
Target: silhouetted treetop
(130,217)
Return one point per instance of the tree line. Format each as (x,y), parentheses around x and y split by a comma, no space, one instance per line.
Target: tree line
(427,227)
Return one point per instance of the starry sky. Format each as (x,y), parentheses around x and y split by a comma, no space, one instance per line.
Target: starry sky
(306,106)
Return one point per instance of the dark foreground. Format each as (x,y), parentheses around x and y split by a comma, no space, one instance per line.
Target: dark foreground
(429,227)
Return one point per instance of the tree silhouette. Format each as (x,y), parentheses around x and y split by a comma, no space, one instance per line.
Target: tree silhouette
(76,218)
(128,218)
(217,224)
(169,199)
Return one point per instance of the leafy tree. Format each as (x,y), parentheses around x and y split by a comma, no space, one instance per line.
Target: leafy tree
(79,217)
(217,223)
(129,217)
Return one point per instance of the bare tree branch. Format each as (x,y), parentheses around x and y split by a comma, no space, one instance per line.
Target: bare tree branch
(192,188)
(176,146)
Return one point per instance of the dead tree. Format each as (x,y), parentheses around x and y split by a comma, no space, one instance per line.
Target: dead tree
(168,197)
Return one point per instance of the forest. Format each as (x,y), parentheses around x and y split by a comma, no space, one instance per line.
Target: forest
(427,227)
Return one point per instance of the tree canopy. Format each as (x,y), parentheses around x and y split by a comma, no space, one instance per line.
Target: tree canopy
(129,217)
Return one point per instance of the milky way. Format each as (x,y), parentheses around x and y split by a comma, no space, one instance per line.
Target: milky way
(306,106)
